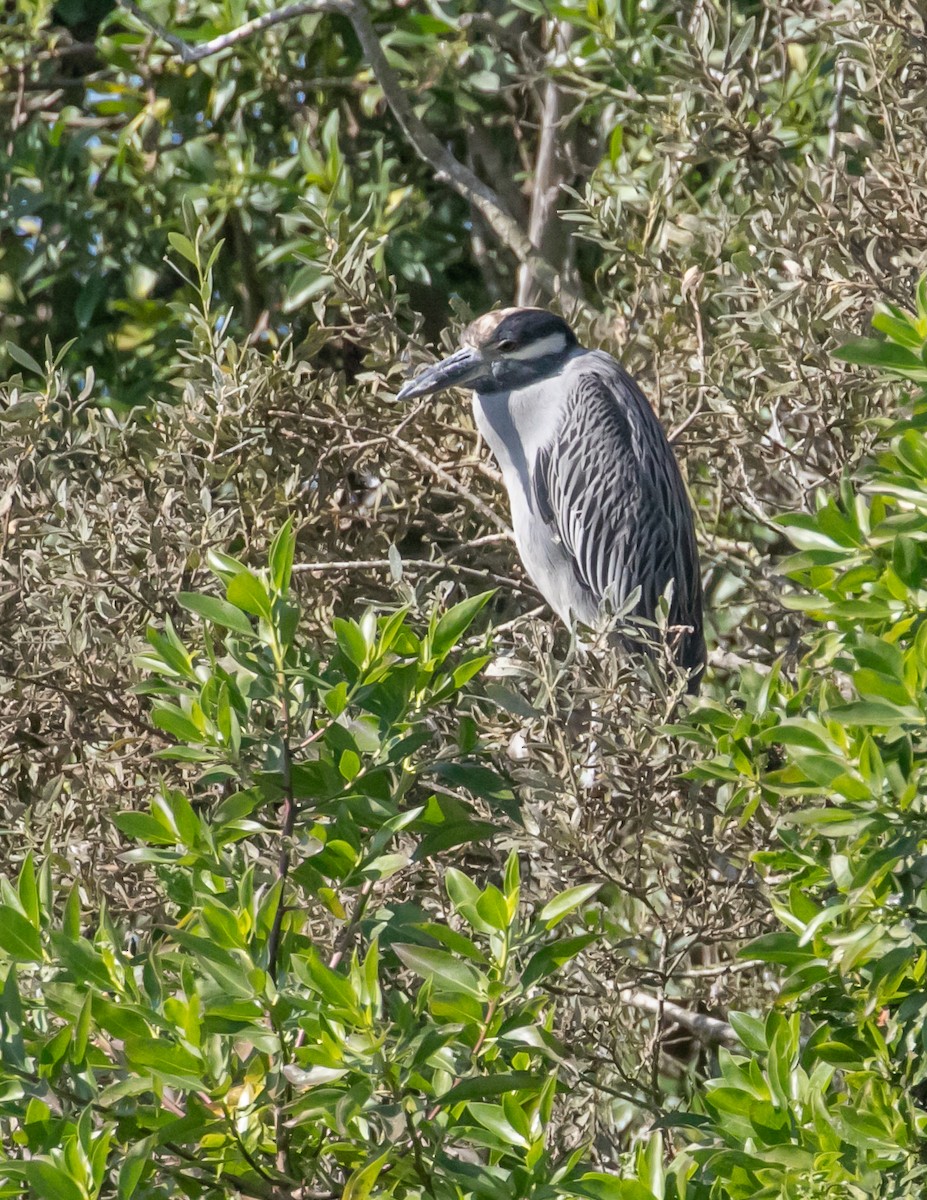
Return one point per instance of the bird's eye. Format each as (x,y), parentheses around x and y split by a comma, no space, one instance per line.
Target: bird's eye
(505,345)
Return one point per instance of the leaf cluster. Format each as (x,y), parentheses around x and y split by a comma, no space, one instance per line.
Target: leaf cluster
(310,1018)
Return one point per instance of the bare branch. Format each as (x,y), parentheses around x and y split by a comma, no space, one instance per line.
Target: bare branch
(419,564)
(706,1029)
(446,478)
(446,167)
(225,41)
(544,227)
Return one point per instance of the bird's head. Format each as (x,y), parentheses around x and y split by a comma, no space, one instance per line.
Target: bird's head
(506,349)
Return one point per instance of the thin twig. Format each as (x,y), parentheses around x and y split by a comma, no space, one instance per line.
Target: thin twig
(439,472)
(347,933)
(422,564)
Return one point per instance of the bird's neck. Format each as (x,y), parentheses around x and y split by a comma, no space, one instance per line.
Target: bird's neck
(516,424)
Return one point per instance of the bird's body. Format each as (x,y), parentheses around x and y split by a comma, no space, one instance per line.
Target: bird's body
(599,508)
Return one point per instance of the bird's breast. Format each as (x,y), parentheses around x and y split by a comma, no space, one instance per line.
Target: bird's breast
(516,427)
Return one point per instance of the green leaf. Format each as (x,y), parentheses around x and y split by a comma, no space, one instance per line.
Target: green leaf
(121,1020)
(349,765)
(615,143)
(650,1164)
(184,247)
(482,781)
(465,896)
(743,39)
(351,641)
(552,957)
(875,712)
(224,565)
(335,987)
(599,1186)
(921,297)
(27,890)
(493,1118)
(512,883)
(71,917)
(493,909)
(19,937)
(144,827)
(51,1183)
(12,1044)
(228,969)
(175,721)
(236,806)
(220,612)
(281,556)
(462,674)
(460,888)
(181,816)
(170,1063)
(132,1168)
(308,282)
(25,359)
(750,1030)
(455,622)
(869,352)
(81,1031)
(900,329)
(247,592)
(561,906)
(445,971)
(171,650)
(361,1182)
(481,1087)
(222,926)
(82,962)
(779,947)
(454,833)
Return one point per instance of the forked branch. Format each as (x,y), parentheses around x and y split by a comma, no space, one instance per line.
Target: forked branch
(447,169)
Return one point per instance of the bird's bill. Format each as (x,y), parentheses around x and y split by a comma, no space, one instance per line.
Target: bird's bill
(456,371)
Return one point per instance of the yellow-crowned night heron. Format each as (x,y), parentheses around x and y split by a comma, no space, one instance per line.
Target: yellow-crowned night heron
(599,508)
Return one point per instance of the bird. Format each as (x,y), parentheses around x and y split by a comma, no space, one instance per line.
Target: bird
(600,513)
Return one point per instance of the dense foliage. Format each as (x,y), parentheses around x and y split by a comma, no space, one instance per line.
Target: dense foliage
(353,878)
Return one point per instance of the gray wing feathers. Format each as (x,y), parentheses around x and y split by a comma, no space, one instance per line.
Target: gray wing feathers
(609,484)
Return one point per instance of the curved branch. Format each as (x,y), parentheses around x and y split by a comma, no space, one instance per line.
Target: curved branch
(447,169)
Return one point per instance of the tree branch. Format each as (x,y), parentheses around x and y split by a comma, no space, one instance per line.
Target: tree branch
(194,54)
(421,564)
(446,167)
(707,1029)
(428,464)
(544,227)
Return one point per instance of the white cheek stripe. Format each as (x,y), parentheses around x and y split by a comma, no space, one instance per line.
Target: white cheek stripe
(554,343)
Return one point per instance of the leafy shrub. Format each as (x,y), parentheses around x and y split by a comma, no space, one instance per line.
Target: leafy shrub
(734,181)
(301,1011)
(831,1100)
(302,1008)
